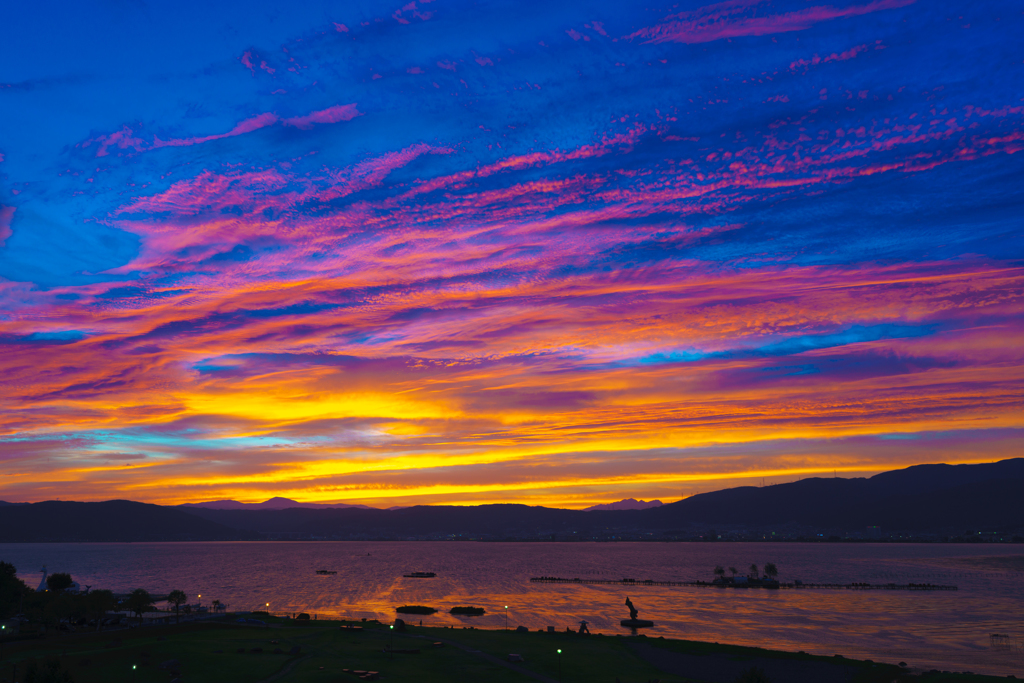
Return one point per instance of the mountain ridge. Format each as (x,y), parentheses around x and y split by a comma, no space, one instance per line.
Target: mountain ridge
(108,521)
(275,503)
(626,504)
(924,500)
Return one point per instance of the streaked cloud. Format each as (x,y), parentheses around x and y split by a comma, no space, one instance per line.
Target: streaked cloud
(438,255)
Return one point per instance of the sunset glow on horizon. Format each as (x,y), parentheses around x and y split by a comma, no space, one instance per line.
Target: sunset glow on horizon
(548,253)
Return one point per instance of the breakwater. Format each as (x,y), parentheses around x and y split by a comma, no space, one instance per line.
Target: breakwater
(751,584)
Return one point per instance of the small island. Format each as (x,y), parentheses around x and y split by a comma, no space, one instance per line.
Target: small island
(469,611)
(415,609)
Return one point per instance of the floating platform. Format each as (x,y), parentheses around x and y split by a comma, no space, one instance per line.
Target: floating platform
(772,585)
(420,575)
(637,623)
(326,571)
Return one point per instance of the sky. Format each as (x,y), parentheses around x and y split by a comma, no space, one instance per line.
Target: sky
(555,253)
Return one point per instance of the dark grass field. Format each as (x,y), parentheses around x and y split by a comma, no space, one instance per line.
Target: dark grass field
(208,652)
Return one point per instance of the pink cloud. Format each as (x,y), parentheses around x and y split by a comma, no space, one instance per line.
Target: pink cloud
(122,139)
(246,126)
(246,60)
(732,19)
(6,214)
(370,173)
(340,28)
(834,57)
(575,35)
(484,61)
(414,70)
(450,66)
(340,112)
(330,115)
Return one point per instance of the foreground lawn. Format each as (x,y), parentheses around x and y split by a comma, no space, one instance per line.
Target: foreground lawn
(318,652)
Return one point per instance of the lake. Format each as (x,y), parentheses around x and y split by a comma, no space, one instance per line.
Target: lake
(943,630)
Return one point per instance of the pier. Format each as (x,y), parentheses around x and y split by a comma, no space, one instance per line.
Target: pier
(771,585)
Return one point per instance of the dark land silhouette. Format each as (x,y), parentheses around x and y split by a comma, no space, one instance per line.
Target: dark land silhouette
(113,520)
(924,502)
(276,503)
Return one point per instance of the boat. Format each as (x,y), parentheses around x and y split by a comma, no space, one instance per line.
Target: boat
(326,571)
(420,575)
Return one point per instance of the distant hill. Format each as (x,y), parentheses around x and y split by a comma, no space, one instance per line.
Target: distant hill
(113,520)
(627,504)
(417,521)
(926,499)
(923,497)
(946,499)
(276,503)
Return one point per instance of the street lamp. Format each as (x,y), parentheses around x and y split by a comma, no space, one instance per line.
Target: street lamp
(559,665)
(392,641)
(506,617)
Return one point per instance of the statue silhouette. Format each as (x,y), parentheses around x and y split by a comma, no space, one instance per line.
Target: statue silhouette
(632,610)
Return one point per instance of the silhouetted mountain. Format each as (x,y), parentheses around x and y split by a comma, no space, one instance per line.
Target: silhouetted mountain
(276,503)
(933,499)
(926,498)
(113,520)
(418,521)
(917,498)
(627,504)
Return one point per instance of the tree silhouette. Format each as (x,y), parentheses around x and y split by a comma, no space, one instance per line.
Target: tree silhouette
(59,582)
(719,571)
(770,570)
(753,571)
(176,598)
(733,570)
(138,602)
(12,590)
(98,603)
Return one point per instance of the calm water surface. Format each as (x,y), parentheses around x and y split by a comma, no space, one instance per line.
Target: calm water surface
(944,630)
